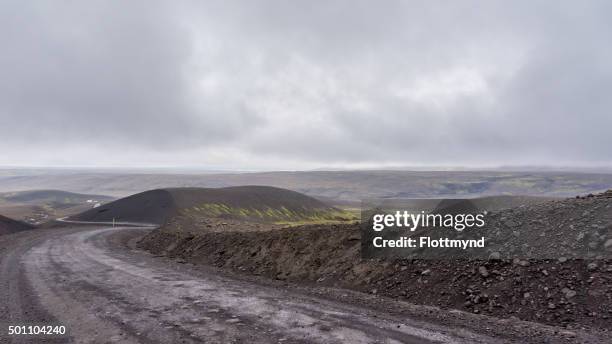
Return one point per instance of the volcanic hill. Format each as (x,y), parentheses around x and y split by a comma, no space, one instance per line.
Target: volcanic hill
(261,204)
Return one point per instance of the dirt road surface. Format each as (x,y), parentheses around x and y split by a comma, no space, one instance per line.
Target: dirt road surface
(92,280)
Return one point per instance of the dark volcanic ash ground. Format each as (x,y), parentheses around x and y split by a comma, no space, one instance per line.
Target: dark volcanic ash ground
(571,293)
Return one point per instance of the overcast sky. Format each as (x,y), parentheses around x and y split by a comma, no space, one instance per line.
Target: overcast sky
(305,84)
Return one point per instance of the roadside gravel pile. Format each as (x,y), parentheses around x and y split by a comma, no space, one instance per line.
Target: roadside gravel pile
(573,293)
(571,228)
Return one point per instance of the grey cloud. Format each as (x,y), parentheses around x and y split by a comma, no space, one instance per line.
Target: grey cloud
(310,83)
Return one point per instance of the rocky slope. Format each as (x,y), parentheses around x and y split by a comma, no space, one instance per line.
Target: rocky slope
(564,292)
(9,226)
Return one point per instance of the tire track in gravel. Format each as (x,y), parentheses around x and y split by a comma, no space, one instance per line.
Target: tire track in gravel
(103,295)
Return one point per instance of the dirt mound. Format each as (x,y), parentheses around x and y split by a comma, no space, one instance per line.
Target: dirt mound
(191,205)
(493,203)
(570,228)
(561,292)
(488,203)
(8,226)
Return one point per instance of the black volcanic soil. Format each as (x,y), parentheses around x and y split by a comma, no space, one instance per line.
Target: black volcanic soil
(157,206)
(9,226)
(150,207)
(245,196)
(563,292)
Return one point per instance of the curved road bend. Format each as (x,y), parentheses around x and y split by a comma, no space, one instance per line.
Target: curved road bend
(104,292)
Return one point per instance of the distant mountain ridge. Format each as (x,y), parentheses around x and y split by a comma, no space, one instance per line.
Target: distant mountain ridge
(341,186)
(55,196)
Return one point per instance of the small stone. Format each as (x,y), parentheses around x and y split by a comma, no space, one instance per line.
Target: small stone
(494,256)
(568,293)
(483,271)
(592,266)
(426,272)
(511,223)
(562,259)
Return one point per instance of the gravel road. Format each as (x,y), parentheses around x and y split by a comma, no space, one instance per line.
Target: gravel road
(91,280)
